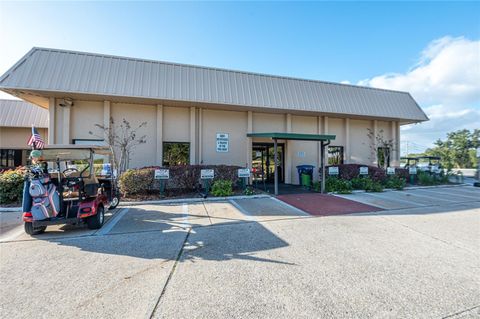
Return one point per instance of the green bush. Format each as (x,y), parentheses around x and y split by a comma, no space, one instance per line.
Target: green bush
(426,179)
(249,191)
(222,188)
(317,186)
(136,181)
(373,186)
(11,186)
(360,182)
(395,182)
(341,186)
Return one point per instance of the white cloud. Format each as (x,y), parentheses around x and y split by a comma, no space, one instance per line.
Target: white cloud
(446,83)
(448,71)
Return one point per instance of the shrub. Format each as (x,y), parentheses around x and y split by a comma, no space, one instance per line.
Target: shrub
(360,182)
(182,178)
(222,188)
(341,186)
(426,179)
(373,186)
(136,181)
(11,186)
(350,171)
(395,182)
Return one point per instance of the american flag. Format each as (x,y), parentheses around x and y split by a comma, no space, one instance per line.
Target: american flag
(36,140)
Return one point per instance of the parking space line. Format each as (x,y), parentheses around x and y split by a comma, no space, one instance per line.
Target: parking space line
(430,197)
(111,223)
(410,203)
(450,194)
(15,233)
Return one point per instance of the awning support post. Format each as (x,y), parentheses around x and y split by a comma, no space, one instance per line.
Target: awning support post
(322,162)
(275,156)
(323,144)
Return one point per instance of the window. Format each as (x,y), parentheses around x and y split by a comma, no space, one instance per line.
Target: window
(335,155)
(10,158)
(176,154)
(383,156)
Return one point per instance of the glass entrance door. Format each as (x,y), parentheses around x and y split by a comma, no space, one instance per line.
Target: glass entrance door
(263,162)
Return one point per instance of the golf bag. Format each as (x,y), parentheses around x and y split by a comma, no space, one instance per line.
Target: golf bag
(45,198)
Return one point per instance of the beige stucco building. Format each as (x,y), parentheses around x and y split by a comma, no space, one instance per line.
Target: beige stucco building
(16,120)
(208,111)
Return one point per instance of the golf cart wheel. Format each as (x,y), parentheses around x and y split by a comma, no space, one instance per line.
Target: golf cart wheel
(29,229)
(115,201)
(96,221)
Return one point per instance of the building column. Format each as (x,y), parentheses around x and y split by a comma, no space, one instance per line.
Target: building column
(348,154)
(200,136)
(249,139)
(398,145)
(319,149)
(288,151)
(159,135)
(106,117)
(325,131)
(51,121)
(193,138)
(66,125)
(375,146)
(393,159)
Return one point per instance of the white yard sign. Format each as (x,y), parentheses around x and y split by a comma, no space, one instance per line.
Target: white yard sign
(222,142)
(333,170)
(162,174)
(391,170)
(412,170)
(243,172)
(207,174)
(363,170)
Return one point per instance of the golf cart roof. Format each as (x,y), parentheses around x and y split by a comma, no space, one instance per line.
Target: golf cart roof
(409,158)
(72,152)
(431,157)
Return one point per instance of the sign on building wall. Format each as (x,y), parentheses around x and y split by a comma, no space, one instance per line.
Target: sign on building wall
(391,170)
(363,170)
(243,172)
(207,174)
(162,174)
(222,142)
(301,154)
(333,170)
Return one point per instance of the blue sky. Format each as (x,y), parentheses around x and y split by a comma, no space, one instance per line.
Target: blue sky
(362,43)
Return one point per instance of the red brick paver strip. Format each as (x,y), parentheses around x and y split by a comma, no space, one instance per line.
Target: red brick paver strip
(326,205)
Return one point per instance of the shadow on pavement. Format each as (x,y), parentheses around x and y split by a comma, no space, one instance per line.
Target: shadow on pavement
(162,235)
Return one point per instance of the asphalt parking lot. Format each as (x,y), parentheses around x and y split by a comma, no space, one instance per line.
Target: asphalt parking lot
(418,257)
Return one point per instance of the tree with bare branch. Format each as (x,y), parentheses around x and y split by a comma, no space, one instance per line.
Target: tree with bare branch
(382,147)
(122,139)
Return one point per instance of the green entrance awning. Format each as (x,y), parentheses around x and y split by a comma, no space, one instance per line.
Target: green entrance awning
(294,136)
(323,139)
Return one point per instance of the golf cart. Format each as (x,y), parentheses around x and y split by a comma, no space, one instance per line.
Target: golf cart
(69,184)
(429,164)
(407,162)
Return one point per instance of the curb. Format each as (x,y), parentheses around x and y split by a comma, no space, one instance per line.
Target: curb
(191,200)
(10,209)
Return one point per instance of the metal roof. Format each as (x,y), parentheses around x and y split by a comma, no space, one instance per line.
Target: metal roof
(294,136)
(16,113)
(61,71)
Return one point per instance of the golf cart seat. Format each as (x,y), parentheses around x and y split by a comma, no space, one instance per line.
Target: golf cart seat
(90,185)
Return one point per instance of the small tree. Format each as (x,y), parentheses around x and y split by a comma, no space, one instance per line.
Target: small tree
(382,147)
(122,139)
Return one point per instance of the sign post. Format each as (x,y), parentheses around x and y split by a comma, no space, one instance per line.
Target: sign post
(244,175)
(206,175)
(162,175)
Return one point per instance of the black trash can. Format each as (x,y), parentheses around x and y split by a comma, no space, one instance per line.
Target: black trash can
(305,170)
